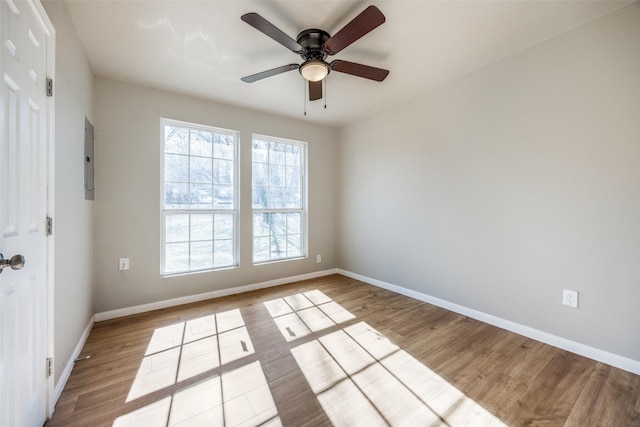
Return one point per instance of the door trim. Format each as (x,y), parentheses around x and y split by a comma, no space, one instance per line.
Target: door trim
(50,32)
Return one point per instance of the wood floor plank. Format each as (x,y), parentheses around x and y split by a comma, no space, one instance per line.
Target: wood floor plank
(609,398)
(511,376)
(396,358)
(551,396)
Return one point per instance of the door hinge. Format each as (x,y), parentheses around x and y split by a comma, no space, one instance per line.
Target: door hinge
(49,366)
(49,226)
(49,87)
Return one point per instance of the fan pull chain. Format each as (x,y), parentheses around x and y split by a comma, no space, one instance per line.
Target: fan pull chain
(325,92)
(305,96)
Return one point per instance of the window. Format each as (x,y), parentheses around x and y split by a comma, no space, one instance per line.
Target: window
(199,200)
(278,199)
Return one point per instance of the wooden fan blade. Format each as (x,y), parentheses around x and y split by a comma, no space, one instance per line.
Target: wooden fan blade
(315,90)
(360,70)
(266,27)
(369,19)
(274,71)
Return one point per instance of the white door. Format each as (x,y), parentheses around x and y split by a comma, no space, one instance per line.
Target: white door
(23,206)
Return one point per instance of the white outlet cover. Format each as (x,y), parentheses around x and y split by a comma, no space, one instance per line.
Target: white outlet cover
(570,298)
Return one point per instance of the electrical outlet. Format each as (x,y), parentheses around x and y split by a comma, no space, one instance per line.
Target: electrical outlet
(123,264)
(318,258)
(570,298)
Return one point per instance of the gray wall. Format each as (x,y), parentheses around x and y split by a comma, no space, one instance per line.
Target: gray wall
(499,189)
(73,218)
(127,206)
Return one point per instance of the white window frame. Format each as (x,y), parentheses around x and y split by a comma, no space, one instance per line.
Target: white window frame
(164,212)
(303,210)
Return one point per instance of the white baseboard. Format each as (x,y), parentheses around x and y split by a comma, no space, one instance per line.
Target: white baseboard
(113,314)
(612,359)
(66,373)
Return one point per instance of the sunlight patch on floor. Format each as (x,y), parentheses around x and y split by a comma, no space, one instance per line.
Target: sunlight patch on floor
(359,377)
(149,416)
(156,372)
(240,397)
(165,338)
(362,379)
(198,357)
(186,349)
(301,314)
(199,328)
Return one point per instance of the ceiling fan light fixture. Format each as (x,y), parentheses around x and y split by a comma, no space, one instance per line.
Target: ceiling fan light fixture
(314,70)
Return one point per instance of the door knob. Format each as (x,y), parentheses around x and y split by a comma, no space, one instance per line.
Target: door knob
(16,262)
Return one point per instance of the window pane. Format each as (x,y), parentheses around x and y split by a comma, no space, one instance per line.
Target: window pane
(293,198)
(277,153)
(276,175)
(176,168)
(293,155)
(201,143)
(260,197)
(201,227)
(261,249)
(223,226)
(176,140)
(223,197)
(223,146)
(201,170)
(278,223)
(176,228)
(260,174)
(176,257)
(294,248)
(293,223)
(223,253)
(278,247)
(223,171)
(260,152)
(201,196)
(275,198)
(260,224)
(201,255)
(176,195)
(293,176)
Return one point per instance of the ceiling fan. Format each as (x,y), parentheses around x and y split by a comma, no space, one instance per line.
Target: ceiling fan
(314,45)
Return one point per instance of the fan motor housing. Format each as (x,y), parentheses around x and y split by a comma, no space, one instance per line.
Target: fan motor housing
(313,40)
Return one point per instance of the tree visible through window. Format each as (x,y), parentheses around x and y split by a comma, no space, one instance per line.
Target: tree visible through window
(199,198)
(278,199)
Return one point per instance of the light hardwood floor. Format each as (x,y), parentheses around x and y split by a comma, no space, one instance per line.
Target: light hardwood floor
(335,351)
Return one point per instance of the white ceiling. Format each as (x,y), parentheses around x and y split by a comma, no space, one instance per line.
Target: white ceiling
(202,48)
